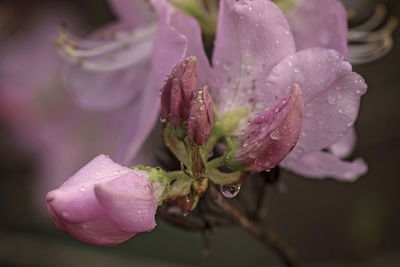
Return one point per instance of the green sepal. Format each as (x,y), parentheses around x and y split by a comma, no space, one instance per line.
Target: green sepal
(157,176)
(221,178)
(285,5)
(172,139)
(181,186)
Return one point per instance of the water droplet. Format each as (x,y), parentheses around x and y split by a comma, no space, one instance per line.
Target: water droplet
(299,150)
(82,189)
(331,99)
(340,110)
(308,113)
(139,211)
(162,119)
(98,172)
(230,191)
(116,172)
(65,214)
(276,135)
(296,69)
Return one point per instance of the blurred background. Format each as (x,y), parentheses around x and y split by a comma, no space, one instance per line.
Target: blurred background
(327,222)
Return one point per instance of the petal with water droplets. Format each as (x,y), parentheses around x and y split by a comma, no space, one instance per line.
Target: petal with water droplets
(130,201)
(319,23)
(272,134)
(252,37)
(134,12)
(345,145)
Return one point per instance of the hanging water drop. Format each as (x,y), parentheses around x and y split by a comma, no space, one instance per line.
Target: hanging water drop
(276,135)
(230,191)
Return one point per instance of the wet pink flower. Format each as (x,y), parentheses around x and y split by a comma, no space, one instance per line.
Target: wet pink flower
(105,203)
(255,64)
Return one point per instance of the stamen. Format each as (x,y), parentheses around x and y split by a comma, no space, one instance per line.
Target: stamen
(366,42)
(374,21)
(122,49)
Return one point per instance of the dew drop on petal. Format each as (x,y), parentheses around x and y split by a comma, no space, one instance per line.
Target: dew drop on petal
(276,135)
(230,191)
(65,214)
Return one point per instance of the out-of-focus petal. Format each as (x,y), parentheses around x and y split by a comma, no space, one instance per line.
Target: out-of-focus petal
(130,200)
(272,134)
(191,30)
(98,89)
(319,23)
(345,145)
(169,48)
(252,37)
(331,93)
(30,53)
(134,12)
(325,165)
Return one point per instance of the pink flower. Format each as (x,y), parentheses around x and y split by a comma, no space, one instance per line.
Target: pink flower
(105,203)
(255,65)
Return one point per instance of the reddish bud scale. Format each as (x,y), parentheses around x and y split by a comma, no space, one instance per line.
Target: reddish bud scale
(201,117)
(178,91)
(272,134)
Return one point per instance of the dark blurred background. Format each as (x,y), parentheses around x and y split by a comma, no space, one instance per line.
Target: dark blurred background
(329,223)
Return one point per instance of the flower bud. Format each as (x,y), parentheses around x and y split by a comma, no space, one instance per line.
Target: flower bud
(179,91)
(201,117)
(105,203)
(273,134)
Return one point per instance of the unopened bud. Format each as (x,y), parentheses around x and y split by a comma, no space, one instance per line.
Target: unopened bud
(179,91)
(272,135)
(201,117)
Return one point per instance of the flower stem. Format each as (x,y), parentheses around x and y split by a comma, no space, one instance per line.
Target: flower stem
(265,234)
(215,163)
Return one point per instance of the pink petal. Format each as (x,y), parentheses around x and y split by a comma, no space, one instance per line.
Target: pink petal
(134,12)
(138,121)
(30,53)
(345,145)
(272,134)
(169,48)
(92,204)
(190,29)
(105,90)
(319,23)
(252,37)
(323,165)
(75,201)
(331,93)
(130,201)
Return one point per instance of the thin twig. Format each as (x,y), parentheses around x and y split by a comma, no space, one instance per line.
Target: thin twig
(265,234)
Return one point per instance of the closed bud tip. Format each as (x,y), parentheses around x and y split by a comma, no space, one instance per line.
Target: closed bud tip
(178,91)
(201,117)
